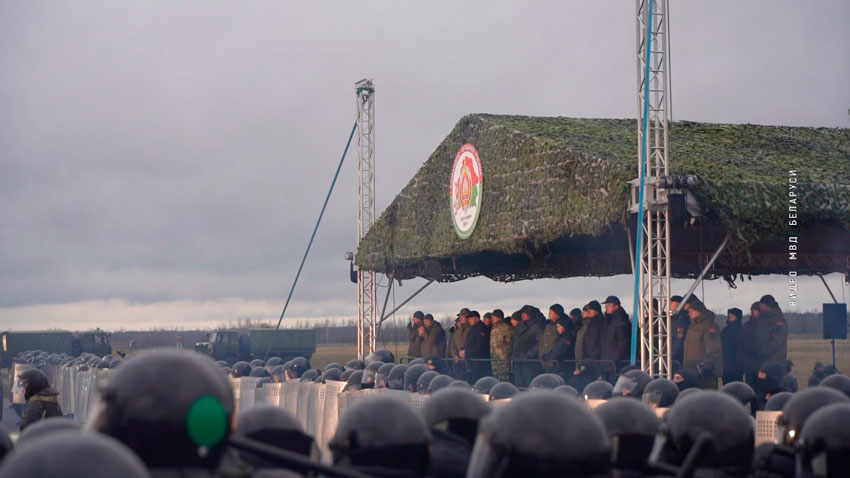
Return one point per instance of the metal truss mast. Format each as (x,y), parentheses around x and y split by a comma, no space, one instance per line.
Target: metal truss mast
(366,280)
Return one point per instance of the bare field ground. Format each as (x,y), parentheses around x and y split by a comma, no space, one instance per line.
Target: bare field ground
(342,353)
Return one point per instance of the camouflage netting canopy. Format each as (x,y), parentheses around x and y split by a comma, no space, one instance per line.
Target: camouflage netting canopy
(556,194)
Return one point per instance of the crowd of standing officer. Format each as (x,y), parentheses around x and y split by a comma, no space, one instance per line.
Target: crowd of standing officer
(526,343)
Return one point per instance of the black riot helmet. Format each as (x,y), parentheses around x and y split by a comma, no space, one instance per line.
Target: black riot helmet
(346,375)
(5,443)
(185,417)
(383,375)
(272,363)
(743,393)
(660,393)
(262,381)
(103,363)
(800,407)
(259,371)
(276,427)
(416,361)
(354,364)
(546,381)
(686,392)
(823,448)
(333,365)
(460,384)
(438,383)
(309,376)
(385,355)
(566,389)
(353,382)
(241,369)
(331,374)
(777,401)
(455,411)
(631,427)
(424,380)
(44,428)
(370,374)
(411,376)
(74,454)
(278,374)
(395,380)
(484,384)
(256,363)
(540,434)
(838,382)
(502,390)
(114,363)
(710,430)
(364,441)
(297,366)
(631,384)
(32,381)
(597,390)
(372,357)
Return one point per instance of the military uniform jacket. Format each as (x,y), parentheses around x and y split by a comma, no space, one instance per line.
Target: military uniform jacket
(703,346)
(500,340)
(413,341)
(45,404)
(547,340)
(616,336)
(770,339)
(434,341)
(477,344)
(458,339)
(678,330)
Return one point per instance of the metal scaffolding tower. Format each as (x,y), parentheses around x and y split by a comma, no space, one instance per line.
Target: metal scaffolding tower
(366,280)
(653,166)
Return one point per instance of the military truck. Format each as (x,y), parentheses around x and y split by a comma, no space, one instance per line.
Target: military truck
(233,345)
(58,341)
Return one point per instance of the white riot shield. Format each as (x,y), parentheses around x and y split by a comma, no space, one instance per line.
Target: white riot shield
(417,400)
(289,394)
(766,427)
(303,403)
(316,411)
(269,394)
(330,419)
(247,391)
(17,391)
(234,385)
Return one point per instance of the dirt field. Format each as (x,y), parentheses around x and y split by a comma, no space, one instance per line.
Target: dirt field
(342,353)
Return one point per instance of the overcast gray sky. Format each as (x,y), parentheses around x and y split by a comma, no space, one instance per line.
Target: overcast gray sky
(163,163)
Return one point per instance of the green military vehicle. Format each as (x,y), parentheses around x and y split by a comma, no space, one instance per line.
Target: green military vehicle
(58,341)
(233,345)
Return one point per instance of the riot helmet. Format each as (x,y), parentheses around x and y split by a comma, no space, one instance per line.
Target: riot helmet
(5,443)
(800,407)
(74,454)
(540,434)
(631,427)
(259,371)
(395,379)
(660,393)
(354,364)
(823,449)
(411,377)
(546,381)
(631,384)
(484,384)
(424,380)
(185,417)
(278,374)
(241,369)
(354,381)
(276,427)
(455,411)
(370,374)
(777,401)
(502,390)
(685,393)
(460,384)
(416,361)
(331,374)
(372,357)
(309,375)
(438,383)
(44,428)
(838,382)
(363,440)
(297,367)
(566,389)
(743,393)
(385,355)
(262,381)
(333,365)
(256,363)
(598,390)
(383,375)
(710,430)
(272,363)
(346,375)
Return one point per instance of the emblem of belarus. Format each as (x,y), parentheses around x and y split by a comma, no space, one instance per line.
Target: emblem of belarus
(465,190)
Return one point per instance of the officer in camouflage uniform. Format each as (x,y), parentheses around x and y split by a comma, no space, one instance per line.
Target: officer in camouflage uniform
(703,348)
(549,336)
(500,344)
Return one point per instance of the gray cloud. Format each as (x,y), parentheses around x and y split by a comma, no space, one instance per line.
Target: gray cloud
(180,151)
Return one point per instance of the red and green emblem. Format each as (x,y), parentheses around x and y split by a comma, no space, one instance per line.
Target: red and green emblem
(466,190)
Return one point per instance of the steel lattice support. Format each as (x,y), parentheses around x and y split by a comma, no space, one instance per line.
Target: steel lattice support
(654,267)
(366,280)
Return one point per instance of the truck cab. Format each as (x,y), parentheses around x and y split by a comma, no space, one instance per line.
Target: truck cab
(92,341)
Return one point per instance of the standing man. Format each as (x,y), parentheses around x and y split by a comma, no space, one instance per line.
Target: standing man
(746,360)
(526,339)
(549,336)
(703,347)
(477,347)
(487,320)
(730,337)
(770,341)
(435,336)
(591,343)
(678,329)
(616,333)
(414,339)
(459,335)
(500,344)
